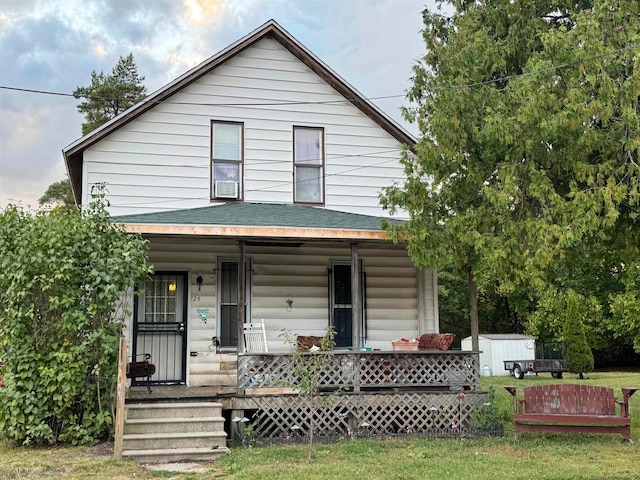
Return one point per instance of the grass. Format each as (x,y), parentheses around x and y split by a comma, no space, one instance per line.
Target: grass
(539,456)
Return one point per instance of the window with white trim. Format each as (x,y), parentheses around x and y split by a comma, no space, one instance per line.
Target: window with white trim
(226,160)
(308,170)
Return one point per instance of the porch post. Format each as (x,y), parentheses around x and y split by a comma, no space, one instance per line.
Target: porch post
(121,394)
(355,299)
(473,299)
(241,299)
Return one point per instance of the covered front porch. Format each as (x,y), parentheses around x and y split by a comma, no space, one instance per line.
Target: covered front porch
(372,393)
(305,269)
(307,273)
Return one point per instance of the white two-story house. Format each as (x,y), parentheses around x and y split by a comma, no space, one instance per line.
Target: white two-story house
(262,156)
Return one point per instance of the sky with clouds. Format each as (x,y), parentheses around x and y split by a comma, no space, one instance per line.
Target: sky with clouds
(53,45)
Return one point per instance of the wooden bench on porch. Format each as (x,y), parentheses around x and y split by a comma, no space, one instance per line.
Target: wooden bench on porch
(572,408)
(142,368)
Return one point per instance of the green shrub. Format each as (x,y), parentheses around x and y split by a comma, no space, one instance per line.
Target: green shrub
(62,275)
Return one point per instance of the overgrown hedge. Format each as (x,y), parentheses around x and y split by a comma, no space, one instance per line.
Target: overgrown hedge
(62,275)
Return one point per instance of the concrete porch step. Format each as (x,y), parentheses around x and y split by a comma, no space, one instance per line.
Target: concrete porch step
(215,378)
(174,431)
(164,441)
(173,410)
(169,425)
(175,454)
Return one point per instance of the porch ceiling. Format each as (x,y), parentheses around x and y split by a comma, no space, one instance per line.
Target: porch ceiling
(258,220)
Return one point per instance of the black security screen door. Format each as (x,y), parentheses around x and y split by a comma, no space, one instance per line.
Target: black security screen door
(228,301)
(228,277)
(159,326)
(340,300)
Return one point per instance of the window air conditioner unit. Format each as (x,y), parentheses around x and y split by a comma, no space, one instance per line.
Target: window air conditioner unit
(226,189)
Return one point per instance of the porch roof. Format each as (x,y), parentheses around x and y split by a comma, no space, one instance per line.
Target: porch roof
(243,219)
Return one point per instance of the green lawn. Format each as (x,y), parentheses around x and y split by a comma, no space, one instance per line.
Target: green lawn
(533,456)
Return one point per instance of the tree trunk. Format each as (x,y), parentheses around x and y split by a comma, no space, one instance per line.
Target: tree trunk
(312,408)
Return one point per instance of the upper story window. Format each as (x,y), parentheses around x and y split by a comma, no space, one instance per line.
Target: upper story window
(226,159)
(308,169)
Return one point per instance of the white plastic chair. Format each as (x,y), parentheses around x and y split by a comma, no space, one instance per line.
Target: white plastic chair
(255,337)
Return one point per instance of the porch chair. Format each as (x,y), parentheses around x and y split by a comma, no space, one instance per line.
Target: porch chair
(255,337)
(141,368)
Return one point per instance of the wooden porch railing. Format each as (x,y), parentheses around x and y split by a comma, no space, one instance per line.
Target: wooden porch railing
(356,371)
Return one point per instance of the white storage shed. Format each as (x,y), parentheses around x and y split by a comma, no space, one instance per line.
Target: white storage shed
(497,347)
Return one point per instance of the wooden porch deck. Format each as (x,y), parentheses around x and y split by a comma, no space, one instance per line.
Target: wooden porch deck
(180,392)
(380,392)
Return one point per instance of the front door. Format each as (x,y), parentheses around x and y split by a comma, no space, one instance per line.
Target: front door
(228,301)
(159,327)
(340,300)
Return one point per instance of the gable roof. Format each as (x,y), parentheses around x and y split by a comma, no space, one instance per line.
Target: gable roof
(73,153)
(258,220)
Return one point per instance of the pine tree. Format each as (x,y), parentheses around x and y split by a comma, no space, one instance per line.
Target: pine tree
(110,95)
(579,353)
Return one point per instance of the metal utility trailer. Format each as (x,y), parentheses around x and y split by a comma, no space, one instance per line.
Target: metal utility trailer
(550,357)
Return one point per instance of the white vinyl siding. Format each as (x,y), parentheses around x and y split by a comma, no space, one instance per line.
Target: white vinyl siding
(393,309)
(162,160)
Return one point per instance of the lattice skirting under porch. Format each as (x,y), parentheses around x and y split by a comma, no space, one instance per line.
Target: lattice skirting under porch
(283,417)
(354,370)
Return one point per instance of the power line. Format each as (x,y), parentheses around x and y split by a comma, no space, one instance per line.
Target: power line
(346,100)
(224,104)
(265,162)
(263,189)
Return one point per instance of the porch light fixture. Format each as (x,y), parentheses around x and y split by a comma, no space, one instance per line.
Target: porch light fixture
(173,286)
(199,281)
(289,302)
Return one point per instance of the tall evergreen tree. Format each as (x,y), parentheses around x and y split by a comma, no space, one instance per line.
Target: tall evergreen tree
(106,97)
(579,355)
(110,95)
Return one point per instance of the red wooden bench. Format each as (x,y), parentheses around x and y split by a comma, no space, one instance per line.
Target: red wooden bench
(572,408)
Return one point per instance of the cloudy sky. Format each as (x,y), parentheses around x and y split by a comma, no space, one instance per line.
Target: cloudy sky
(53,45)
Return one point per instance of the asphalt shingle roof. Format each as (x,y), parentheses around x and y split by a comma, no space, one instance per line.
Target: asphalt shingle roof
(259,215)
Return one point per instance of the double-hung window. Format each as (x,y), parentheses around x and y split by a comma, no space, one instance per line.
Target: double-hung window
(308,170)
(226,160)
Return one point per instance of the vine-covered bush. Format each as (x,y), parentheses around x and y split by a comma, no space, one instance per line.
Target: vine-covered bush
(62,277)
